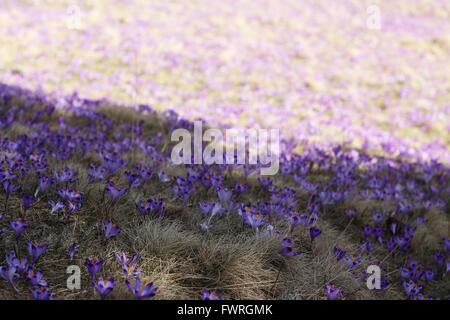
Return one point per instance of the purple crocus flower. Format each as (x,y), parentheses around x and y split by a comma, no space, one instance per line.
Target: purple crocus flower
(206,181)
(110,229)
(163,177)
(112,163)
(21,264)
(9,188)
(413,263)
(367,230)
(157,207)
(429,275)
(366,246)
(183,189)
(339,253)
(40,293)
(93,266)
(350,213)
(404,241)
(72,250)
(218,209)
(72,206)
(206,207)
(314,233)
(143,289)
(378,217)
(265,182)
(104,287)
(378,232)
(416,275)
(428,204)
(224,195)
(393,227)
(70,195)
(210,296)
(409,231)
(35,278)
(115,191)
(151,205)
(35,249)
(351,261)
(27,200)
(412,288)
(7,174)
(18,225)
(421,220)
(336,195)
(96,173)
(8,273)
(288,198)
(129,272)
(332,291)
(205,226)
(144,172)
(44,183)
(422,297)
(294,218)
(58,206)
(405,273)
(270,231)
(234,206)
(288,248)
(64,175)
(439,259)
(145,206)
(240,188)
(12,260)
(128,267)
(133,179)
(124,260)
(254,220)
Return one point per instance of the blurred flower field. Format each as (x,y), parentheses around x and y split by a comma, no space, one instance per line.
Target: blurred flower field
(91,90)
(317,70)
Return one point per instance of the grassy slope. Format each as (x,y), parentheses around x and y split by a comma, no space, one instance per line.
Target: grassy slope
(181,260)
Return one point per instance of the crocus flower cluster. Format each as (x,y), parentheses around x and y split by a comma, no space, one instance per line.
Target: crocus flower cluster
(22,268)
(215,208)
(142,289)
(102,286)
(152,206)
(110,229)
(332,291)
(288,248)
(210,296)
